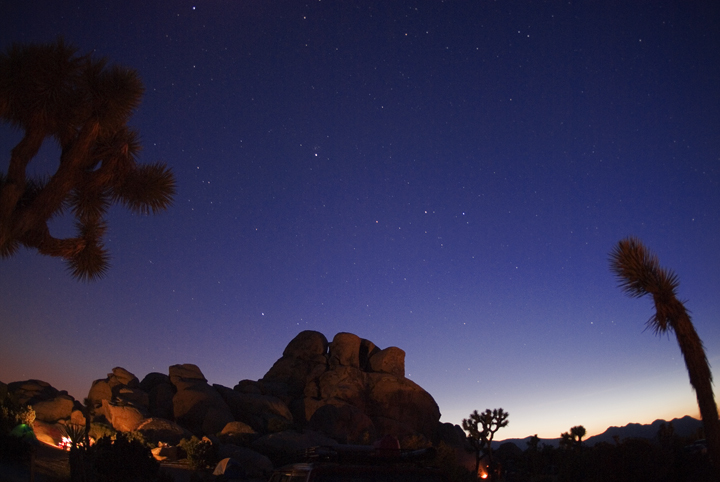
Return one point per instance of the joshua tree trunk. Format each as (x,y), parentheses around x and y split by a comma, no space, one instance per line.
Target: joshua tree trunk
(639,273)
(701,380)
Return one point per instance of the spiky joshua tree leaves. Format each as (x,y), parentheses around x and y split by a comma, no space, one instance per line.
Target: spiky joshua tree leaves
(49,91)
(481,428)
(640,274)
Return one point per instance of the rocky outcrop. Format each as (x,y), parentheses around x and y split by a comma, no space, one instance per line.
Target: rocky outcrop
(390,360)
(344,351)
(197,405)
(49,433)
(99,391)
(261,412)
(304,359)
(123,417)
(344,423)
(364,386)
(317,393)
(122,378)
(57,408)
(402,401)
(160,394)
(120,389)
(30,392)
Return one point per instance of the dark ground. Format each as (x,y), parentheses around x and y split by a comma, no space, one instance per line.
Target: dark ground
(53,465)
(50,465)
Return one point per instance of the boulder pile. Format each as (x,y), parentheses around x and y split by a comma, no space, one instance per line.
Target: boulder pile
(317,393)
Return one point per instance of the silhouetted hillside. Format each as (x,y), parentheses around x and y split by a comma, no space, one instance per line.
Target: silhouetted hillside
(684,427)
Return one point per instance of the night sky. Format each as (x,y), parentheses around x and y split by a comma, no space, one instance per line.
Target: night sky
(445,177)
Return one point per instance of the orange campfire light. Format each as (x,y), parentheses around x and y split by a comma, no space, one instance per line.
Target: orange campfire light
(65,443)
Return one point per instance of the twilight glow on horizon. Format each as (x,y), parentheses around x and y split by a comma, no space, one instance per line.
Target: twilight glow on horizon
(444,177)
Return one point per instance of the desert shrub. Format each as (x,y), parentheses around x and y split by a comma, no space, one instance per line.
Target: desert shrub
(414,442)
(26,416)
(446,461)
(12,414)
(122,459)
(200,453)
(100,430)
(137,436)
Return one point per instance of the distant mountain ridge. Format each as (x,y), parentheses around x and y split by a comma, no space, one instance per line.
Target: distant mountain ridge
(684,427)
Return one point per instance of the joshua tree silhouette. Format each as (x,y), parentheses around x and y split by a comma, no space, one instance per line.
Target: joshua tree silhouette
(481,428)
(48,91)
(573,438)
(639,273)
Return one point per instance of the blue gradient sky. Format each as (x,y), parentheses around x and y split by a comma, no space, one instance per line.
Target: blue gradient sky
(445,177)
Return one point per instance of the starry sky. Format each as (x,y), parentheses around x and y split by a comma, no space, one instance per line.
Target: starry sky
(445,177)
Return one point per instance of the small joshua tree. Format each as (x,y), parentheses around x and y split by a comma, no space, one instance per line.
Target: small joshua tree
(573,438)
(50,92)
(481,428)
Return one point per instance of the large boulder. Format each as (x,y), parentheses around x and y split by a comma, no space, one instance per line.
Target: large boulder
(77,417)
(165,453)
(254,464)
(345,351)
(29,392)
(344,383)
(153,379)
(390,360)
(344,423)
(197,405)
(350,371)
(449,434)
(158,430)
(160,399)
(307,345)
(403,402)
(99,391)
(123,418)
(57,408)
(120,387)
(248,386)
(122,377)
(134,396)
(288,376)
(254,409)
(304,358)
(186,373)
(237,428)
(160,393)
(49,433)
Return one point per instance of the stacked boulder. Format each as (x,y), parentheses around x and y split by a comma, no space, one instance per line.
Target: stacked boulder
(317,393)
(350,389)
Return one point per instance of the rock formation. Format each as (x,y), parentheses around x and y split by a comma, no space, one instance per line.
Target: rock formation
(365,385)
(318,392)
